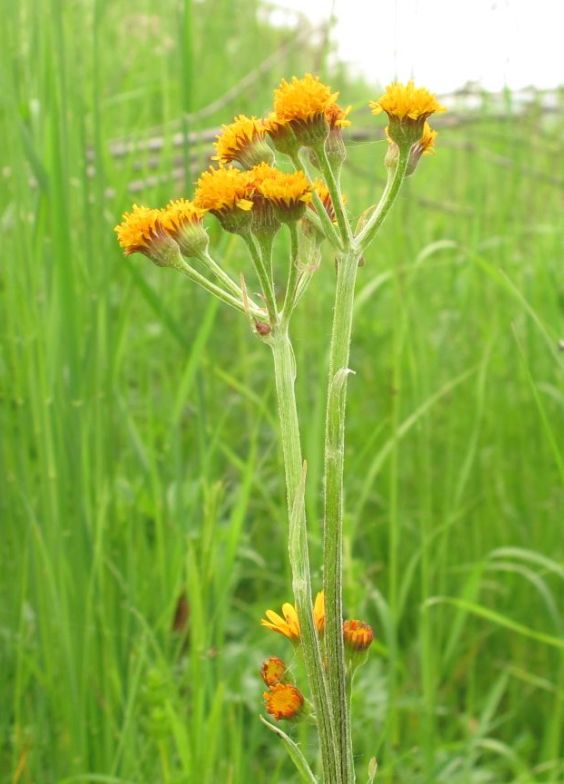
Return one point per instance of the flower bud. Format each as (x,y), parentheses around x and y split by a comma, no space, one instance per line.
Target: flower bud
(358,636)
(273,670)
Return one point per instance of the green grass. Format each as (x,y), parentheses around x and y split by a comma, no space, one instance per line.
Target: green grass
(139,459)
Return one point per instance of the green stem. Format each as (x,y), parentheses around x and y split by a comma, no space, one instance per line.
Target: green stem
(217,291)
(264,277)
(395,179)
(285,372)
(347,267)
(220,273)
(327,226)
(291,286)
(335,192)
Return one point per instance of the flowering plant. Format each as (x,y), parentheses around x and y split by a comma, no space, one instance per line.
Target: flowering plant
(254,199)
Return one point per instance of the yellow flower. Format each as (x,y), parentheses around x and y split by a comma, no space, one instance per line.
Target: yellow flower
(302,99)
(427,141)
(265,215)
(407,102)
(284,701)
(178,213)
(261,173)
(289,625)
(304,111)
(358,636)
(141,231)
(182,220)
(288,192)
(337,117)
(273,670)
(244,141)
(407,107)
(226,193)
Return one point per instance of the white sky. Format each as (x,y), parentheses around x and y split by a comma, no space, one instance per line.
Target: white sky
(443,44)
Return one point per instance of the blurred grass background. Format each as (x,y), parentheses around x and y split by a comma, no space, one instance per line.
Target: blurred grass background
(142,507)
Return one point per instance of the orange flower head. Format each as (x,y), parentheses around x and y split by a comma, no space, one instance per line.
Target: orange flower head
(337,117)
(427,141)
(358,635)
(307,106)
(227,194)
(289,625)
(182,220)
(302,99)
(284,701)
(265,215)
(288,192)
(273,670)
(244,141)
(407,107)
(141,231)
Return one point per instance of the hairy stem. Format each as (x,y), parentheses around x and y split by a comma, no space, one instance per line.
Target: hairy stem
(217,291)
(263,275)
(332,182)
(347,267)
(328,229)
(284,367)
(291,285)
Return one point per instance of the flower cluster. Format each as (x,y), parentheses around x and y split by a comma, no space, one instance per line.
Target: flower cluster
(246,191)
(283,700)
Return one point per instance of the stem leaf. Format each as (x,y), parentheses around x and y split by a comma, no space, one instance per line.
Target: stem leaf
(294,751)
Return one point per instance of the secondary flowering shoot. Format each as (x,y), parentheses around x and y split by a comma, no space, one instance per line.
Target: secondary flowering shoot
(407,107)
(243,141)
(142,231)
(284,701)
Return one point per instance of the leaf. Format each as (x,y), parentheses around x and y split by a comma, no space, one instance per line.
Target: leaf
(294,751)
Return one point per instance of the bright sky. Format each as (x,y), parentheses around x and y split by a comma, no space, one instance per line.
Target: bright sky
(443,44)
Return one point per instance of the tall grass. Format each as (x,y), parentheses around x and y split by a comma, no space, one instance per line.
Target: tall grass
(139,458)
